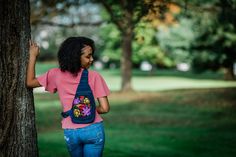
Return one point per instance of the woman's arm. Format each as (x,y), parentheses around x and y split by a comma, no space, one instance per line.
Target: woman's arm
(103,106)
(31,80)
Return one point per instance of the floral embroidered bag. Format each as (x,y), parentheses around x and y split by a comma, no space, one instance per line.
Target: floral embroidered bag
(83,108)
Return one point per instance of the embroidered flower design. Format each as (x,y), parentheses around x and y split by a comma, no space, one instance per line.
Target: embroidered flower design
(76,112)
(86,101)
(76,101)
(86,111)
(81,98)
(81,106)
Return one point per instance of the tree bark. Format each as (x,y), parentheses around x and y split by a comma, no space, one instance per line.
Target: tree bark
(18,137)
(126,61)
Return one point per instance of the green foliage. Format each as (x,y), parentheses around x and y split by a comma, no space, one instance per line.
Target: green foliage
(120,12)
(176,40)
(109,45)
(216,49)
(216,41)
(146,47)
(204,36)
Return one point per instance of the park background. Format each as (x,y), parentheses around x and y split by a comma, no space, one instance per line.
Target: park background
(181,97)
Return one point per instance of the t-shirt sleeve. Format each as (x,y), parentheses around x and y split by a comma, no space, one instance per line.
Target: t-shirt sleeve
(100,87)
(48,80)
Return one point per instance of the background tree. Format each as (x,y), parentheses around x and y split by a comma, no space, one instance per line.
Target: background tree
(145,45)
(126,15)
(216,43)
(18,137)
(215,34)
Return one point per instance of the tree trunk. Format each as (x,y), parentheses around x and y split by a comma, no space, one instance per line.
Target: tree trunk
(126,61)
(18,137)
(229,73)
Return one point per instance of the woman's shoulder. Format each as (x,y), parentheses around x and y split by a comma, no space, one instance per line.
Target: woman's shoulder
(55,69)
(53,72)
(94,73)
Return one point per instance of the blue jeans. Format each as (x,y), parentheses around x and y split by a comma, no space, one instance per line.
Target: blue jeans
(85,142)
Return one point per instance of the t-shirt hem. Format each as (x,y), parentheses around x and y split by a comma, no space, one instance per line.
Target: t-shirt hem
(82,125)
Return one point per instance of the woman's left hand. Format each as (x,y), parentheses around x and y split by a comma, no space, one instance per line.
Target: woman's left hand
(33,49)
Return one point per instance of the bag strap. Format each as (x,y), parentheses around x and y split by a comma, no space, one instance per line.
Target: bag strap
(83,85)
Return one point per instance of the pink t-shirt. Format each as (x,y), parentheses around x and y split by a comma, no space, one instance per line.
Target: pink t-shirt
(66,84)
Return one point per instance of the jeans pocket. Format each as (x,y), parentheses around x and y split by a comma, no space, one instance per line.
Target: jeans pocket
(97,139)
(96,136)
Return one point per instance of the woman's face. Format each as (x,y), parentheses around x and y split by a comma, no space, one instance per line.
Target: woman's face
(86,57)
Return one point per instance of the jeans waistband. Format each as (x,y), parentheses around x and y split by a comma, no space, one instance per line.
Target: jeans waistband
(93,125)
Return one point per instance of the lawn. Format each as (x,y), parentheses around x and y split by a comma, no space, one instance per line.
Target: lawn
(173,114)
(184,123)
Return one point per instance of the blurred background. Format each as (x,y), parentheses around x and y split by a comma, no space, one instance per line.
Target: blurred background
(170,66)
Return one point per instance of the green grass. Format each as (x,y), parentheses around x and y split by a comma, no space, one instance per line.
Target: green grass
(178,123)
(174,114)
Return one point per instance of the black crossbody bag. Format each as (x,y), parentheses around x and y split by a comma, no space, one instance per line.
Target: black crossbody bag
(83,108)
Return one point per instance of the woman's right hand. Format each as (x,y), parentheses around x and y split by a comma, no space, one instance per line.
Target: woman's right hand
(33,49)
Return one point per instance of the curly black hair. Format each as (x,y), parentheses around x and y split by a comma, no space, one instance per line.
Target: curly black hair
(70,52)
